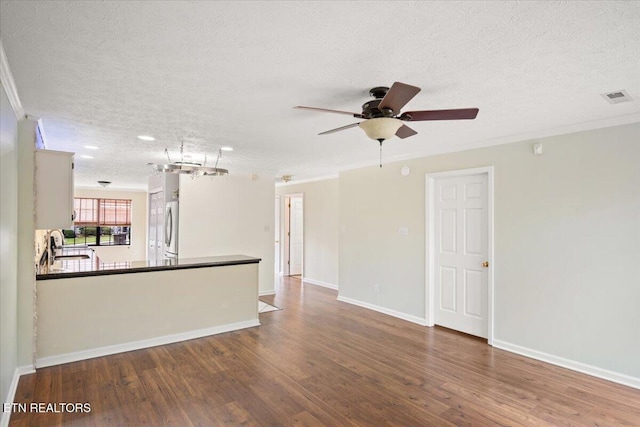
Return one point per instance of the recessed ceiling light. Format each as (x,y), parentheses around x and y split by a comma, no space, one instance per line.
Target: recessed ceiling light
(146,138)
(226,148)
(90,147)
(87,157)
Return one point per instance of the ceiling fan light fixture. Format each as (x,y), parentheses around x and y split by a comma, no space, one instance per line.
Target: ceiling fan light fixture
(381,128)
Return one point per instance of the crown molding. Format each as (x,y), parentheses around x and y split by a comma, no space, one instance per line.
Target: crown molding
(304,181)
(9,84)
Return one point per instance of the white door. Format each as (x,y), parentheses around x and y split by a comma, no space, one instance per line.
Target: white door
(461,248)
(295,236)
(276,229)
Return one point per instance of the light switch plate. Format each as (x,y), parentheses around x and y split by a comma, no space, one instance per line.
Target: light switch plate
(403,231)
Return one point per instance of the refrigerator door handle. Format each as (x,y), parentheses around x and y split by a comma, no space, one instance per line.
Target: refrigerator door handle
(168,226)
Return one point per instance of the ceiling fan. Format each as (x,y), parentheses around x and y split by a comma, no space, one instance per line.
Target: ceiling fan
(383,118)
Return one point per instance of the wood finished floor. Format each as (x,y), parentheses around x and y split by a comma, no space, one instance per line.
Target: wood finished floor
(320,362)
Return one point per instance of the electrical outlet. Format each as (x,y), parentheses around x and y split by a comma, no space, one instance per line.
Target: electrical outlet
(376,289)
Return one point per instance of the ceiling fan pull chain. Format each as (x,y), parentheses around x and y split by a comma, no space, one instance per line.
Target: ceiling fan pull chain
(381,151)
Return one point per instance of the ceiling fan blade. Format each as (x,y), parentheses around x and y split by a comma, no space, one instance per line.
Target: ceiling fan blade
(405,132)
(398,96)
(352,125)
(326,110)
(458,114)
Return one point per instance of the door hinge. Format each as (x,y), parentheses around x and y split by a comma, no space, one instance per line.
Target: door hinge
(288,234)
(288,263)
(289,205)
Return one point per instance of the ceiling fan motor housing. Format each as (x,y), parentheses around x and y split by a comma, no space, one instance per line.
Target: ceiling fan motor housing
(371,110)
(379,92)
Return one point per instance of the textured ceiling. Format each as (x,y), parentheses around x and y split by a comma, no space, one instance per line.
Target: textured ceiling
(228,73)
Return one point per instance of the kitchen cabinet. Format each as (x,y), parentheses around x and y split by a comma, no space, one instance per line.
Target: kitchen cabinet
(54,189)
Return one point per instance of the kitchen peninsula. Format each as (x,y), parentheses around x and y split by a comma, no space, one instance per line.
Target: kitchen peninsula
(92,308)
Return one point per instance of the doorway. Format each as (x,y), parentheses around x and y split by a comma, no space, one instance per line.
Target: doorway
(460,251)
(276,230)
(293,235)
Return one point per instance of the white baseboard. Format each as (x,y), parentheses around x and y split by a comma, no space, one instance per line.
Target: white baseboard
(569,364)
(320,283)
(409,318)
(265,293)
(20,370)
(137,345)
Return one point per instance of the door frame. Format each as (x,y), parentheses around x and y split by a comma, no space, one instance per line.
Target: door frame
(278,237)
(430,242)
(286,250)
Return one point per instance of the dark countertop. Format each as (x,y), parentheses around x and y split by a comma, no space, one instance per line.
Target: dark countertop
(94,267)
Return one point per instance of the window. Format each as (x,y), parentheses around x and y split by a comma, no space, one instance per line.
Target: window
(100,222)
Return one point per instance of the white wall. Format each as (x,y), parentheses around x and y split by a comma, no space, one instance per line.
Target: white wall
(567,227)
(136,251)
(26,247)
(8,244)
(320,228)
(228,216)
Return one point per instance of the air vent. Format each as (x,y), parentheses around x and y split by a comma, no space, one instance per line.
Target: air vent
(617,97)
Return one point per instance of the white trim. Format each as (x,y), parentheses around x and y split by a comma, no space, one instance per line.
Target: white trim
(384,310)
(429,243)
(304,181)
(265,293)
(20,370)
(320,283)
(43,135)
(429,251)
(137,345)
(569,364)
(9,84)
(551,132)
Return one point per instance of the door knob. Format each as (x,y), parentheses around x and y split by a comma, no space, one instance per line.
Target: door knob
(485,264)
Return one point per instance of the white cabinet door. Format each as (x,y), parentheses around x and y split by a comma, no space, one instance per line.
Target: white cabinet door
(54,189)
(156,221)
